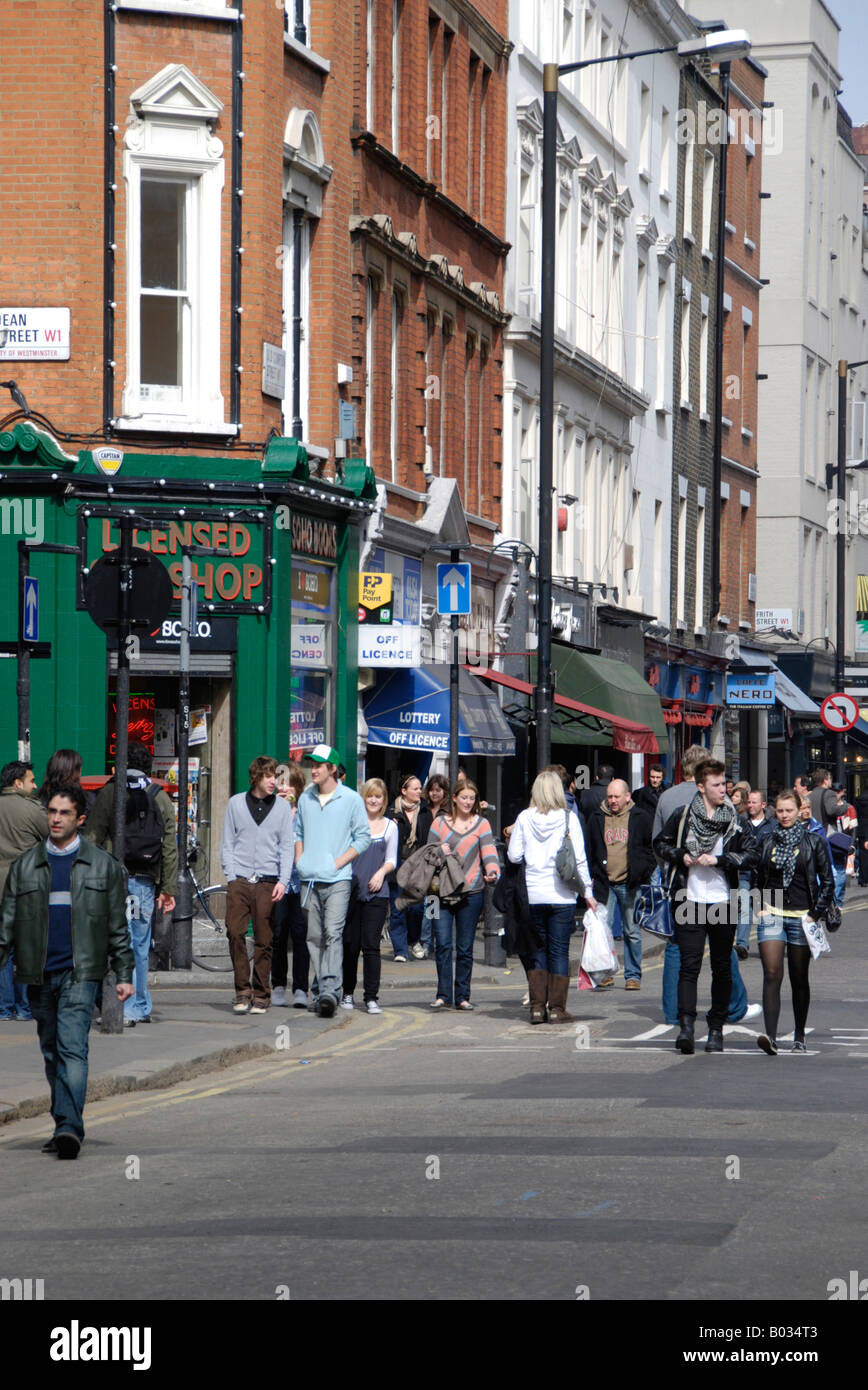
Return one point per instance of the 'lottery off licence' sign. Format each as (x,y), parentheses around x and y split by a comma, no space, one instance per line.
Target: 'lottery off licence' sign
(28,335)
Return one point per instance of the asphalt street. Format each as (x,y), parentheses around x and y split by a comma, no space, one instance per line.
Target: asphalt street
(423,1156)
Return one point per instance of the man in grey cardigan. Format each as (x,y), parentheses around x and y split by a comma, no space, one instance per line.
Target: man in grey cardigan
(256,854)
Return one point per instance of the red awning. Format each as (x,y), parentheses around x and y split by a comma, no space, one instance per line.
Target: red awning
(627,735)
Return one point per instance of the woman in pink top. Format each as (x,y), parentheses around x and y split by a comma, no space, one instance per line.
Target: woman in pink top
(470,837)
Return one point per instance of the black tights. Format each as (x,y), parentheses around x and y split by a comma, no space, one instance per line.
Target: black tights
(798,960)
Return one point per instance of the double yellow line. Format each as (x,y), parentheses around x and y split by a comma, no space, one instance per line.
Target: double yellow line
(393,1027)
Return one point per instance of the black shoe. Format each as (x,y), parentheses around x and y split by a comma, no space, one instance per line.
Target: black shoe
(684,1042)
(714,1041)
(68,1144)
(799,1045)
(768,1045)
(742,952)
(326,1007)
(50,1146)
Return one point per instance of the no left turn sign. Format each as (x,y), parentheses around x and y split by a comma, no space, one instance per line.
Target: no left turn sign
(839,713)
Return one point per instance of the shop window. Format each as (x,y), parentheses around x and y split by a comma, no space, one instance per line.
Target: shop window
(173,172)
(312,654)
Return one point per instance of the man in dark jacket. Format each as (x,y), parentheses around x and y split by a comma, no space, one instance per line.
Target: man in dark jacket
(593,796)
(706,846)
(63,913)
(150,885)
(620,858)
(647,797)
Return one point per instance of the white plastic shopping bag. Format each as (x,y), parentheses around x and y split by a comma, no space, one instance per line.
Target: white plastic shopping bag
(598,949)
(817,938)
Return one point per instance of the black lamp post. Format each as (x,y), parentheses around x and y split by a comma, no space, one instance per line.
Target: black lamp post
(841,542)
(725,45)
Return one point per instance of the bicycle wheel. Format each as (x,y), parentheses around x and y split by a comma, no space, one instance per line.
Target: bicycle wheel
(209,910)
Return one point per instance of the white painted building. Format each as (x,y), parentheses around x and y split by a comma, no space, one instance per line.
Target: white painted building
(615,286)
(814,311)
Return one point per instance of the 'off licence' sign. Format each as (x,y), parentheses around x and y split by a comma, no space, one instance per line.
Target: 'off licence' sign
(28,335)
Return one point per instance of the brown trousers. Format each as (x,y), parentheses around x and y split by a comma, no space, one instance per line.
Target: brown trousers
(243,901)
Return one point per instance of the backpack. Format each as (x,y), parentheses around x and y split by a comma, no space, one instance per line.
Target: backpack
(145,829)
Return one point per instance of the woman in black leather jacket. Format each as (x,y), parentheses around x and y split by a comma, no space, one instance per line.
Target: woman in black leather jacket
(794,876)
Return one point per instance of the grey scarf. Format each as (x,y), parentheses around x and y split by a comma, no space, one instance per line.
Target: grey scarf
(785,849)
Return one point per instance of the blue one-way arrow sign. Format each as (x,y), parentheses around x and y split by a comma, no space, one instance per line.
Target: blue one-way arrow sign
(30,624)
(453,589)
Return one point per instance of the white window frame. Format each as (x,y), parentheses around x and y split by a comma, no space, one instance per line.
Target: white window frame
(171,138)
(304,350)
(198,9)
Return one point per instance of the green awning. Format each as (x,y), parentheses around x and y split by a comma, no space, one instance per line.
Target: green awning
(610,686)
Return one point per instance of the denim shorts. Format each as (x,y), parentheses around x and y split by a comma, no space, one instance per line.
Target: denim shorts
(771,927)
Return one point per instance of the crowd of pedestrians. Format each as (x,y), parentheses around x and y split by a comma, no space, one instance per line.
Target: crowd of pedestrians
(328,871)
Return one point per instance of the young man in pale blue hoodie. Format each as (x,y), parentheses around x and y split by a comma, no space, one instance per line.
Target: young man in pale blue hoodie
(331,830)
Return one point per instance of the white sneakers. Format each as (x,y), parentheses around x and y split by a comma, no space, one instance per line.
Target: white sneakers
(278,997)
(373,1007)
(753,1011)
(417,951)
(347,1002)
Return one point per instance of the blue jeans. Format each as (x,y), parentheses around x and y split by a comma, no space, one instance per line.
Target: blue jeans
(326,905)
(400,920)
(625,897)
(13,997)
(62,1008)
(463,919)
(745,912)
(140,916)
(554,923)
(671,970)
(839,874)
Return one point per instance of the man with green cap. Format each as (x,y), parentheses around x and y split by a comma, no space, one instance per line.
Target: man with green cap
(331,831)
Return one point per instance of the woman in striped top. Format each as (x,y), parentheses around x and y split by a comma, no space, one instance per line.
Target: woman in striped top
(469,836)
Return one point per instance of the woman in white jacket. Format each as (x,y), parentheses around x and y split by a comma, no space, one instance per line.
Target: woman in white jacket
(536,838)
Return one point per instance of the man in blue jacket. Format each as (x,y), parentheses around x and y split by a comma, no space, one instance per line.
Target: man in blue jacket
(331,831)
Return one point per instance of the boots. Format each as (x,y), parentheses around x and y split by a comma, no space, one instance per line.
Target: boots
(714,1041)
(558,986)
(684,1042)
(537,983)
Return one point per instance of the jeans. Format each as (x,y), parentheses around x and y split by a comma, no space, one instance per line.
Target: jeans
(289,925)
(745,912)
(327,905)
(671,970)
(554,923)
(691,943)
(839,874)
(13,997)
(404,921)
(463,918)
(625,897)
(140,917)
(62,1008)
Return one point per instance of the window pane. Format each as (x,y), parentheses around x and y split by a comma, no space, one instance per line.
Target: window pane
(163,236)
(161,341)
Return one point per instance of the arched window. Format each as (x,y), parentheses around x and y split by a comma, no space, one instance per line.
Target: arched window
(305,176)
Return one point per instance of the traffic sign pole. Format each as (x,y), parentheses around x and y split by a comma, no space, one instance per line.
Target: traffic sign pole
(453,687)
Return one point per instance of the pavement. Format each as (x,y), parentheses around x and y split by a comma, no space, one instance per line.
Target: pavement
(194,1031)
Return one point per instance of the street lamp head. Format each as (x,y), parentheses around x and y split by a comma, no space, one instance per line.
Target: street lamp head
(724,45)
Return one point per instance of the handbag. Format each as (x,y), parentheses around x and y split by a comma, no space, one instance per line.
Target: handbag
(831,918)
(652,911)
(565,861)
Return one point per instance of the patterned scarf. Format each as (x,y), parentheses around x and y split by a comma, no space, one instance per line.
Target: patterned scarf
(785,848)
(703,832)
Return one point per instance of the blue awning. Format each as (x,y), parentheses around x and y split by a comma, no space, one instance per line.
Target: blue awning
(410,709)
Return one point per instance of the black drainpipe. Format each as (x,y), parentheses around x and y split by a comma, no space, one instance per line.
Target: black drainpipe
(297,227)
(237,194)
(108,254)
